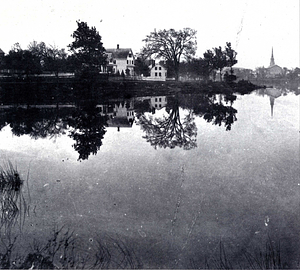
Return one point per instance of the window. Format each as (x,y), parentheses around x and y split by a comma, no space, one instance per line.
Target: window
(159,74)
(155,68)
(159,99)
(155,105)
(159,105)
(155,74)
(159,68)
(127,62)
(155,99)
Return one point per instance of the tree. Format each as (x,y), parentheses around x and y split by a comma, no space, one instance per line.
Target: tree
(88,48)
(197,68)
(209,61)
(56,59)
(22,62)
(171,45)
(220,60)
(141,67)
(39,50)
(230,56)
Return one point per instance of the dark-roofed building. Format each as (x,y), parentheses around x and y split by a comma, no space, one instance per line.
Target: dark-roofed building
(120,60)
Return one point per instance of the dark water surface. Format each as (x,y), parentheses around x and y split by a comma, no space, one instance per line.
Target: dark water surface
(200,189)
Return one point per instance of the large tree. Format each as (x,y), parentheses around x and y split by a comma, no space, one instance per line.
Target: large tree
(171,45)
(88,48)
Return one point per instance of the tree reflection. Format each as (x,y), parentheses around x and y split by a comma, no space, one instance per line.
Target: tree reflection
(170,131)
(87,128)
(37,123)
(213,110)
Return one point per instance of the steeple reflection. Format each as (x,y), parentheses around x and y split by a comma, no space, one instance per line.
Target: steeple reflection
(273,93)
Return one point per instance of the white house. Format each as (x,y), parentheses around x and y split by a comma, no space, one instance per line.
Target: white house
(120,60)
(158,73)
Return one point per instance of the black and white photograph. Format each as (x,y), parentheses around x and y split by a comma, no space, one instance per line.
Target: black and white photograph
(158,134)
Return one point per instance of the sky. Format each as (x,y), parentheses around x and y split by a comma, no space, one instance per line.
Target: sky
(252,26)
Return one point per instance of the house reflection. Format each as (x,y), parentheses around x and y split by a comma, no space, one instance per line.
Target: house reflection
(119,113)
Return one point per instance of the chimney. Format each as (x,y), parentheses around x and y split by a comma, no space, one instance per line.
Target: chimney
(117,46)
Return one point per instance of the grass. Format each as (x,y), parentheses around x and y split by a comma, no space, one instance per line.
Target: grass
(61,251)
(268,258)
(13,206)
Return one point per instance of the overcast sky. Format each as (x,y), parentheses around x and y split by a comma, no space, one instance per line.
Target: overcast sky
(252,26)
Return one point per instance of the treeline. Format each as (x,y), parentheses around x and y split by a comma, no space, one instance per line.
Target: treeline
(213,61)
(38,58)
(86,56)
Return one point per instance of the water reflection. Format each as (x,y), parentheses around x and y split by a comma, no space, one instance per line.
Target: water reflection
(170,131)
(87,129)
(35,122)
(273,93)
(213,109)
(87,125)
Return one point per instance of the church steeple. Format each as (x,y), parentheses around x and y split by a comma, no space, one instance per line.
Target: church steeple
(272,62)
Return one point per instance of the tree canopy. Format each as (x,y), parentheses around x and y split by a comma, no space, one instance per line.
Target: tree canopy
(87,47)
(217,59)
(171,45)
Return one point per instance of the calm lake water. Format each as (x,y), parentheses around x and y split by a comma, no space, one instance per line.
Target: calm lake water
(177,190)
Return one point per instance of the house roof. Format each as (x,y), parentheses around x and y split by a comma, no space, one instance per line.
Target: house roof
(274,66)
(119,53)
(160,64)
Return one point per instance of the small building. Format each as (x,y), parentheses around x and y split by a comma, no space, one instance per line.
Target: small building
(120,60)
(158,72)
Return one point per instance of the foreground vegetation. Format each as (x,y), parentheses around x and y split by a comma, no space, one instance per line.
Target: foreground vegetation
(63,249)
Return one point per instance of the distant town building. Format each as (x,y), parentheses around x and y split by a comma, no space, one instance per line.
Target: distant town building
(274,70)
(120,60)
